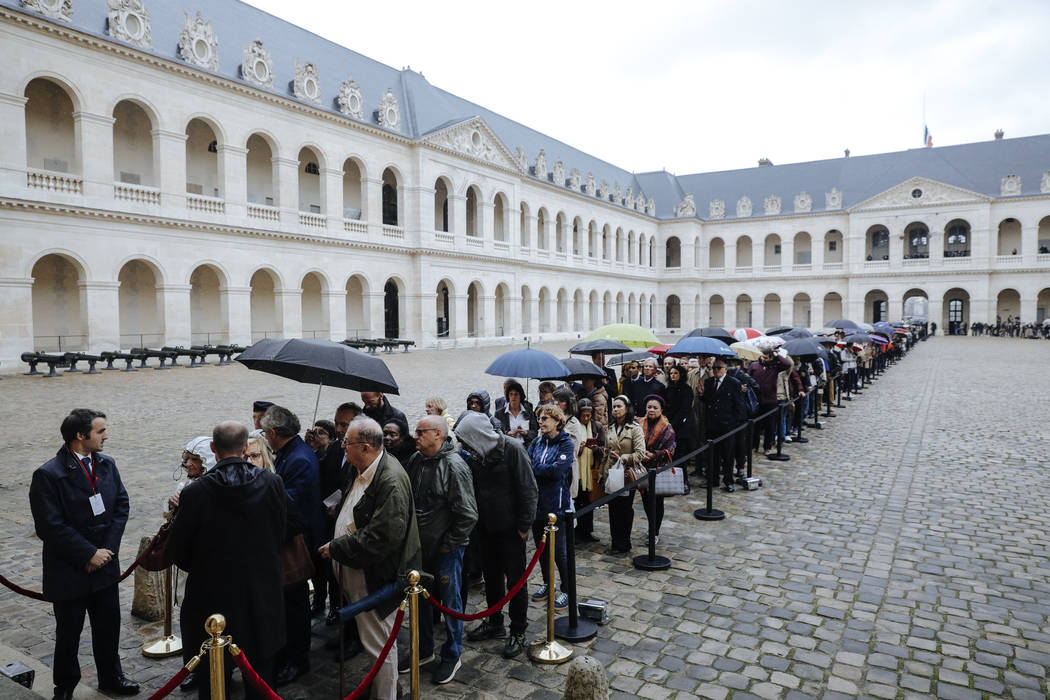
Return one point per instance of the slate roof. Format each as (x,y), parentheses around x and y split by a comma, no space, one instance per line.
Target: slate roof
(426,109)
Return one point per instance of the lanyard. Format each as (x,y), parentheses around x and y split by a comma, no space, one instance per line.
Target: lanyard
(92,479)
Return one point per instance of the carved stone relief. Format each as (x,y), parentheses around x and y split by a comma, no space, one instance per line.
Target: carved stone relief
(389,114)
(639,203)
(559,174)
(1011,185)
(617,193)
(716,209)
(803,203)
(471,139)
(833,199)
(522,158)
(574,180)
(771,205)
(55,9)
(129,22)
(743,207)
(687,207)
(541,165)
(628,198)
(603,191)
(1044,184)
(351,102)
(307,83)
(650,207)
(256,65)
(198,44)
(589,187)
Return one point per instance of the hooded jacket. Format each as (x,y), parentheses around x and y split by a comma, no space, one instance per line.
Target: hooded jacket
(552,459)
(443,488)
(483,397)
(504,485)
(766,377)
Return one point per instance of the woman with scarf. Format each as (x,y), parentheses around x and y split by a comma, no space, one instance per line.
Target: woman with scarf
(660,445)
(626,444)
(589,453)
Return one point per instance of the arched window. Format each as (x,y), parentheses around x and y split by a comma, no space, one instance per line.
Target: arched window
(390,197)
(673,254)
(957,239)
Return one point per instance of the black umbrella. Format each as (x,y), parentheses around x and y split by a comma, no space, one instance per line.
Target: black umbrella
(607,347)
(633,356)
(796,333)
(805,349)
(858,338)
(713,332)
(778,330)
(843,323)
(579,368)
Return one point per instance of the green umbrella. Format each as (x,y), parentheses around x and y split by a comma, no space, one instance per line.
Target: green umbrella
(627,333)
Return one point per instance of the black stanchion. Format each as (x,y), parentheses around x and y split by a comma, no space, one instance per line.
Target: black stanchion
(572,628)
(748,449)
(838,392)
(711,513)
(649,561)
(799,420)
(779,456)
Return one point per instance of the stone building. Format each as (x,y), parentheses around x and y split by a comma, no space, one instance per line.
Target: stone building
(204,172)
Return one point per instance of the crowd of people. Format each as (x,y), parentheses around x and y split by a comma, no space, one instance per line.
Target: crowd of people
(354,502)
(1010,327)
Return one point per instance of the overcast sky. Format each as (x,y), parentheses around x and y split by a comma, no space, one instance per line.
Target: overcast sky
(709,85)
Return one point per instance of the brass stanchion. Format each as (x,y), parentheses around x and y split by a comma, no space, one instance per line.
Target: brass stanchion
(215,625)
(550,651)
(414,590)
(169,644)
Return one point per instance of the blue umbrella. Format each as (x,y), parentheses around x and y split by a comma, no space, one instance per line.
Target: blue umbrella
(712,332)
(701,345)
(528,363)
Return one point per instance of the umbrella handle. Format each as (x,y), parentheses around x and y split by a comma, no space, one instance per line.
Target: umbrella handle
(317,402)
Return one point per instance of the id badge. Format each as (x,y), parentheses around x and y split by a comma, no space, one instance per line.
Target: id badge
(97,506)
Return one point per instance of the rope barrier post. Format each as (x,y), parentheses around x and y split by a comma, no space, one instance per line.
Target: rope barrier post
(550,651)
(572,628)
(414,590)
(748,450)
(838,392)
(799,420)
(780,456)
(215,625)
(710,513)
(649,561)
(169,644)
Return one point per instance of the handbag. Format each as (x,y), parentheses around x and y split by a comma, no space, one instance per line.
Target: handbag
(671,482)
(296,564)
(156,558)
(614,479)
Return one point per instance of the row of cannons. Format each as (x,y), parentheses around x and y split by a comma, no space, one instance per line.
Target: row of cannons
(167,355)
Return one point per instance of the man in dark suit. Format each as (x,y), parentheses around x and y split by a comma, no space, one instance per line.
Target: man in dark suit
(80,508)
(228,536)
(726,409)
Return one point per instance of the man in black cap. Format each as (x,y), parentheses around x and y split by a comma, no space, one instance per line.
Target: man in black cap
(258,411)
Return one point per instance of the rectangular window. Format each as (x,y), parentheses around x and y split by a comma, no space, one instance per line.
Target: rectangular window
(776,249)
(833,245)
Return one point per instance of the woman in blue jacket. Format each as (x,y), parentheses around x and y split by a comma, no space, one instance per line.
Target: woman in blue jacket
(552,455)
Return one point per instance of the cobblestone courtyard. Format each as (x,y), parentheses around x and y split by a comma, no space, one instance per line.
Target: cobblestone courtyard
(902,552)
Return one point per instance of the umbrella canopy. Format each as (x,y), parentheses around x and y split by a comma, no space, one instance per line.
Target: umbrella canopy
(746,351)
(699,345)
(745,334)
(879,339)
(659,349)
(528,363)
(866,327)
(796,333)
(630,334)
(580,368)
(768,341)
(712,332)
(858,338)
(633,356)
(843,323)
(806,349)
(319,362)
(778,330)
(607,347)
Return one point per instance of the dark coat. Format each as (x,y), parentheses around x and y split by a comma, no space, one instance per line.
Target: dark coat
(385,413)
(58,499)
(679,411)
(503,416)
(297,466)
(386,543)
(334,473)
(483,398)
(443,489)
(504,487)
(726,407)
(766,377)
(641,387)
(227,535)
(552,464)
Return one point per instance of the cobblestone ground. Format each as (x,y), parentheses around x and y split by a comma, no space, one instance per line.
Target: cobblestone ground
(902,552)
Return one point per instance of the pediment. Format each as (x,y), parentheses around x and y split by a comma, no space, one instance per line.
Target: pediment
(918,192)
(474,139)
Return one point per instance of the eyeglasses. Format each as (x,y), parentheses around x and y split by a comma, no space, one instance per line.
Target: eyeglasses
(346,442)
(420,432)
(253,455)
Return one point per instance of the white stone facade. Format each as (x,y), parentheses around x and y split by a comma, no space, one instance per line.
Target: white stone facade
(145,201)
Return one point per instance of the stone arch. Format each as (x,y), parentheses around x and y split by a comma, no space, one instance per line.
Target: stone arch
(355,189)
(442,210)
(956,310)
(877,243)
(500,217)
(311,193)
(608,241)
(916,302)
(474,226)
(594,312)
(1008,241)
(832,307)
(801,314)
(620,308)
(1042,305)
(474,312)
(643,248)
(502,309)
(957,239)
(1008,304)
(716,254)
(394,307)
(744,252)
(1043,236)
(559,232)
(577,236)
(673,253)
(594,242)
(803,246)
(58,303)
(134,125)
(542,220)
(209,310)
(392,196)
(771,310)
(833,252)
(619,244)
(673,312)
(358,313)
(876,306)
(743,311)
(772,247)
(445,307)
(203,176)
(716,311)
(652,245)
(267,321)
(313,305)
(52,135)
(608,310)
(261,166)
(916,240)
(633,309)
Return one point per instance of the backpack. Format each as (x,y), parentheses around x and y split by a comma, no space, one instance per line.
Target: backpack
(750,398)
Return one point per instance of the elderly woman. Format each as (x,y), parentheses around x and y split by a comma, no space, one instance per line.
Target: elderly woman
(551,454)
(197,458)
(627,444)
(659,450)
(436,406)
(516,415)
(589,456)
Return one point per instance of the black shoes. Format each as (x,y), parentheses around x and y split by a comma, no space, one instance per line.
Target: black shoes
(445,671)
(486,630)
(121,685)
(515,645)
(290,674)
(729,487)
(63,694)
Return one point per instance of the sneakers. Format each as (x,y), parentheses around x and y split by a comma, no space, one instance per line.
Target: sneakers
(487,630)
(540,593)
(404,662)
(515,645)
(561,601)
(445,671)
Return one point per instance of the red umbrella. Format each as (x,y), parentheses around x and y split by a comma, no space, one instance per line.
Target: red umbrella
(659,349)
(743,334)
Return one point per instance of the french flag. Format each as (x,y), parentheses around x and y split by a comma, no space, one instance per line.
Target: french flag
(927,137)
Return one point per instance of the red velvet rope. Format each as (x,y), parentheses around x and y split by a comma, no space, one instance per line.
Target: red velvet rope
(249,673)
(171,685)
(506,599)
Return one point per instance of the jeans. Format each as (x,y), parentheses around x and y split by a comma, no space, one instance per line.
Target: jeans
(559,552)
(448,578)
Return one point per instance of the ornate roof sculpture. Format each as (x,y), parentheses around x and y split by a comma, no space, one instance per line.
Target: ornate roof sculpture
(389,113)
(55,9)
(307,83)
(351,102)
(256,65)
(128,21)
(198,44)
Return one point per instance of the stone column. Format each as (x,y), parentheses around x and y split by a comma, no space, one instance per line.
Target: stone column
(488,316)
(533,326)
(512,317)
(94,144)
(233,180)
(13,155)
(729,313)
(758,314)
(1029,250)
(897,245)
(286,187)
(334,303)
(288,306)
(238,304)
(730,256)
(16,318)
(458,325)
(457,219)
(169,167)
(485,223)
(100,313)
(816,313)
(787,254)
(174,300)
(373,213)
(1029,305)
(935,310)
(377,314)
(332,199)
(816,252)
(936,248)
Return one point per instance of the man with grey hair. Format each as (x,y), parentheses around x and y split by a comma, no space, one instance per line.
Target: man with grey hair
(443,489)
(228,537)
(297,466)
(376,541)
(645,384)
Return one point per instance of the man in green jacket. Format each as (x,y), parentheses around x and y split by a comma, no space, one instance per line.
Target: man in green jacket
(443,489)
(376,541)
